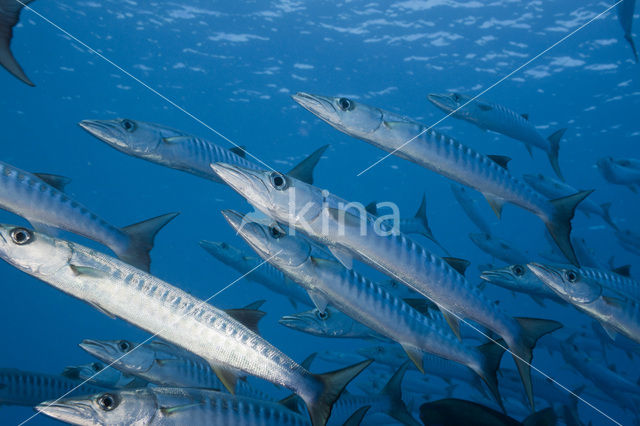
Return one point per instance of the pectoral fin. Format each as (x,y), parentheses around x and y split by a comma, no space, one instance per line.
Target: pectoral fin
(167,411)
(318,300)
(495,203)
(87,271)
(58,182)
(611,332)
(415,355)
(227,377)
(453,322)
(103,310)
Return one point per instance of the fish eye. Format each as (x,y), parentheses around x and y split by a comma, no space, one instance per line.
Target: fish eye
(224,245)
(124,346)
(322,315)
(279,181)
(128,125)
(518,270)
(96,366)
(455,97)
(571,276)
(107,401)
(275,232)
(21,236)
(345,104)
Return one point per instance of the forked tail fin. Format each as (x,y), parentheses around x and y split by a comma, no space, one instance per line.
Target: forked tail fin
(492,353)
(393,389)
(141,236)
(333,384)
(421,218)
(554,148)
(629,39)
(559,225)
(10,14)
(531,330)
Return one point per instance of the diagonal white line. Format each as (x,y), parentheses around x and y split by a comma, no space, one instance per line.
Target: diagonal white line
(142,83)
(506,349)
(194,309)
(490,87)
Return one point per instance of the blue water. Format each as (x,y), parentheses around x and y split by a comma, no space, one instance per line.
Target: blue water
(234,67)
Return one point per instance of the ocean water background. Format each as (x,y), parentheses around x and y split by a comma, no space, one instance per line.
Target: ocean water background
(234,65)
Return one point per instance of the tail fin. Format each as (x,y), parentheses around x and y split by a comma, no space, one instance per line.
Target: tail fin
(393,389)
(356,418)
(304,170)
(141,237)
(492,353)
(633,46)
(554,148)
(333,384)
(421,217)
(11,14)
(531,330)
(559,225)
(606,215)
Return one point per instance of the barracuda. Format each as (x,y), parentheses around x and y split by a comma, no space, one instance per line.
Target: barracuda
(470,207)
(107,377)
(585,293)
(9,16)
(170,407)
(172,148)
(448,157)
(329,283)
(123,291)
(520,279)
(318,214)
(40,199)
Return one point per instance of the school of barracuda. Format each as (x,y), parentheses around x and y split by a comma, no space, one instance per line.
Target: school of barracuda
(431,330)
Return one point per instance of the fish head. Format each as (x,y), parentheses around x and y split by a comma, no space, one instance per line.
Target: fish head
(279,196)
(114,407)
(132,137)
(124,355)
(345,114)
(315,322)
(568,282)
(270,240)
(99,373)
(512,277)
(448,102)
(222,251)
(33,252)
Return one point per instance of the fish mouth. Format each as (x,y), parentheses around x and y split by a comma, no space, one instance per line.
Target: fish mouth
(497,276)
(246,182)
(98,349)
(251,231)
(322,106)
(294,321)
(97,128)
(546,274)
(73,412)
(442,101)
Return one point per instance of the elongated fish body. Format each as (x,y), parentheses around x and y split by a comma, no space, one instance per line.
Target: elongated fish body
(171,314)
(498,248)
(625,286)
(552,189)
(625,15)
(9,16)
(446,156)
(586,294)
(321,215)
(164,406)
(177,150)
(470,207)
(330,323)
(44,206)
(500,119)
(620,171)
(328,282)
(108,377)
(266,274)
(519,278)
(28,389)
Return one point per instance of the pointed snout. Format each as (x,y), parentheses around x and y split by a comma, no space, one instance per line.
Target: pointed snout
(235,219)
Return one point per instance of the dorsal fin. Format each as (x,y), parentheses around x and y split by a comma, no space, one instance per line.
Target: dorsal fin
(624,270)
(304,170)
(460,265)
(248,317)
(291,402)
(500,160)
(255,305)
(57,181)
(240,151)
(372,208)
(306,364)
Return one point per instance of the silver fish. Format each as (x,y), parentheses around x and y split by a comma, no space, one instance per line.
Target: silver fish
(448,157)
(9,16)
(318,214)
(624,171)
(28,389)
(108,377)
(498,248)
(500,119)
(170,407)
(153,305)
(330,323)
(267,275)
(470,207)
(585,293)
(552,189)
(625,15)
(175,149)
(519,278)
(418,224)
(328,282)
(40,199)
